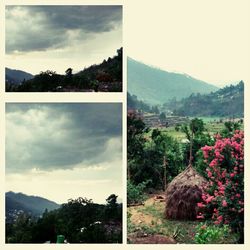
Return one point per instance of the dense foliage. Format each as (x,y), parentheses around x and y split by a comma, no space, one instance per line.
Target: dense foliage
(226,102)
(79,220)
(223,198)
(106,76)
(134,103)
(135,193)
(211,234)
(146,154)
(197,137)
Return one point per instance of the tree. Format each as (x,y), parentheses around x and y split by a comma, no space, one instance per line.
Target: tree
(136,140)
(112,200)
(111,211)
(230,127)
(69,72)
(197,136)
(20,230)
(69,76)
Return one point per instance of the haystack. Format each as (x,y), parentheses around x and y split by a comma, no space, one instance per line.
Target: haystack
(182,195)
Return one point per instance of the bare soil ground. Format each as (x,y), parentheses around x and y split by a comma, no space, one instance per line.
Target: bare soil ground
(147,225)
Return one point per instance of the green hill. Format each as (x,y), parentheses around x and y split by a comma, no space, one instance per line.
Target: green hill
(16,77)
(226,102)
(33,205)
(156,86)
(103,77)
(135,104)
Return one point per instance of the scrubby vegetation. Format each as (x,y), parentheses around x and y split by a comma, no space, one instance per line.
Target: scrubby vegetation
(79,221)
(225,102)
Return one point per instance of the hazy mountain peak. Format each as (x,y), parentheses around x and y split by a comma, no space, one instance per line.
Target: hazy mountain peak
(157,86)
(14,76)
(34,205)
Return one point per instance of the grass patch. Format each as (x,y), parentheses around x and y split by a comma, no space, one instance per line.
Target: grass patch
(149,220)
(154,223)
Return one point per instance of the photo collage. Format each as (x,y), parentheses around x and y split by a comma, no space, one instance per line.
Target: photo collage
(123,123)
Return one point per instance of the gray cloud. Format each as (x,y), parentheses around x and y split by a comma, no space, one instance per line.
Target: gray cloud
(59,136)
(39,28)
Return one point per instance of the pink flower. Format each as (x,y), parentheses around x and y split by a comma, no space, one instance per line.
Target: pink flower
(209,174)
(220,218)
(217,153)
(241,210)
(200,204)
(209,199)
(223,175)
(213,163)
(200,217)
(224,203)
(222,189)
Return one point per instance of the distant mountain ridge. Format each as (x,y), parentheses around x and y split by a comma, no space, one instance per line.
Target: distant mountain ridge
(13,76)
(156,86)
(33,205)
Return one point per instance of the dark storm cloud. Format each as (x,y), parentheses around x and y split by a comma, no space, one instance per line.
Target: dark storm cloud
(59,136)
(30,28)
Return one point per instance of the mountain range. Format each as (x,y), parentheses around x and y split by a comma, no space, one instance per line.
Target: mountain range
(34,205)
(16,77)
(156,86)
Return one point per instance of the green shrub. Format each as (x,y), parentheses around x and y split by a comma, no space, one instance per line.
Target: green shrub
(135,193)
(211,234)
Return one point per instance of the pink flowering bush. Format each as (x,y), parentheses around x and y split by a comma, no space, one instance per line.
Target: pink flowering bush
(223,197)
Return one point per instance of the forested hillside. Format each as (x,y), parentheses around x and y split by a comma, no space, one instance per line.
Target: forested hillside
(135,104)
(33,205)
(77,221)
(105,77)
(226,102)
(13,77)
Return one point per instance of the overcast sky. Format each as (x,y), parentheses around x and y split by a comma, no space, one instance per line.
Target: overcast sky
(206,39)
(58,37)
(62,151)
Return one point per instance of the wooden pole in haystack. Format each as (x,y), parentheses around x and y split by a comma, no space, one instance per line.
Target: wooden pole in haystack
(191,147)
(185,191)
(164,173)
